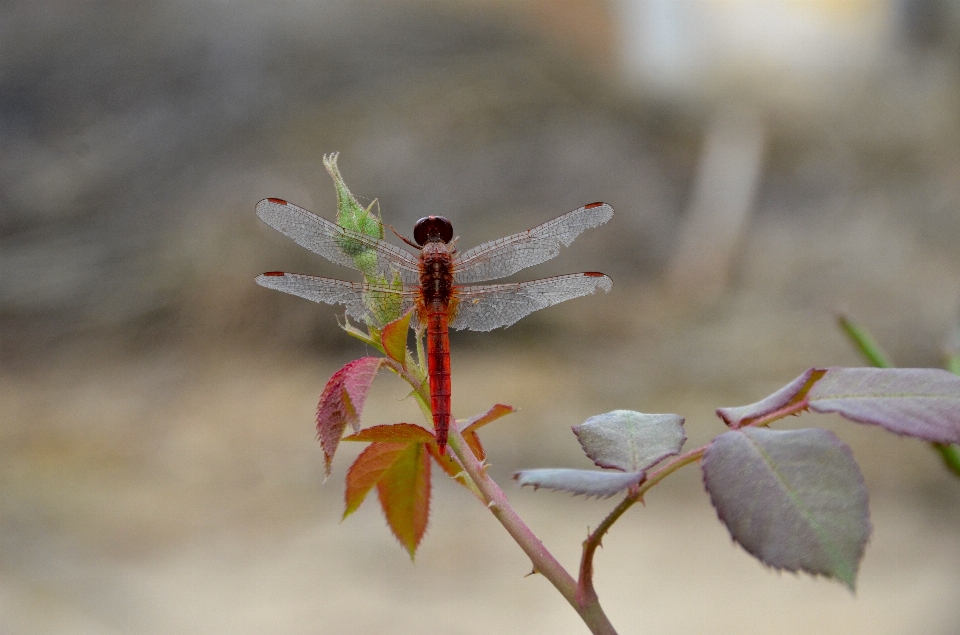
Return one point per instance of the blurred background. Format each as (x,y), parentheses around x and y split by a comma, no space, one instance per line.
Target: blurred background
(771,163)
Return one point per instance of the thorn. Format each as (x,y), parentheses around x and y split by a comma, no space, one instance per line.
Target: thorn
(533,571)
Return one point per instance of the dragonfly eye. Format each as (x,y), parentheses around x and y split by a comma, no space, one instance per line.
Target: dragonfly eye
(431,228)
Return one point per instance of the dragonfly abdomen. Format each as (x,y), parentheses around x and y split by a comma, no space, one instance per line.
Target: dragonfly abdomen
(438,354)
(436,287)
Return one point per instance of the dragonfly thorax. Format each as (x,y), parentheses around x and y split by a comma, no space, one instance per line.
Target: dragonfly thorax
(436,272)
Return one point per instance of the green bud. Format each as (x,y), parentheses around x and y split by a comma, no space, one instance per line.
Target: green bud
(350,214)
(353,216)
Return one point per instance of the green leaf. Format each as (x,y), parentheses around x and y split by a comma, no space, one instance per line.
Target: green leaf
(794,499)
(585,482)
(371,338)
(630,441)
(394,337)
(342,402)
(404,491)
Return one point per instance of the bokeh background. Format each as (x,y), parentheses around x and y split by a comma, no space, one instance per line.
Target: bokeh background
(771,163)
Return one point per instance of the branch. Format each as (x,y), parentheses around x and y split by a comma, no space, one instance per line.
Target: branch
(585,589)
(543,561)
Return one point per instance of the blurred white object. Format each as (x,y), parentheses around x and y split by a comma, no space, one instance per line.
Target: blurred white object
(689,48)
(731,164)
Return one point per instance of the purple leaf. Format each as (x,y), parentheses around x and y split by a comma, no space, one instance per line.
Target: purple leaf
(630,441)
(795,499)
(586,482)
(791,394)
(917,402)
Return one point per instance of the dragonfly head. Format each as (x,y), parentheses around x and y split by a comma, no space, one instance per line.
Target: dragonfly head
(432,229)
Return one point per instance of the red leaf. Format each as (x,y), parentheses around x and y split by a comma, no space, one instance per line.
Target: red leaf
(471,425)
(497,411)
(397,432)
(394,337)
(447,463)
(404,492)
(342,402)
(367,471)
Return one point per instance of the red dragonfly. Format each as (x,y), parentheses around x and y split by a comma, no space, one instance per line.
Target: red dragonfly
(434,281)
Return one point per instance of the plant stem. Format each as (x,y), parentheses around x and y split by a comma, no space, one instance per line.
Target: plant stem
(864,342)
(496,501)
(585,587)
(543,561)
(950,455)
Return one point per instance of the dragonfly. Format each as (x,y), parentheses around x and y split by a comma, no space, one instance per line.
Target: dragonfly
(436,281)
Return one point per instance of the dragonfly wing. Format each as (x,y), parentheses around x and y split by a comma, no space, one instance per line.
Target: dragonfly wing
(372,304)
(337,244)
(506,256)
(486,307)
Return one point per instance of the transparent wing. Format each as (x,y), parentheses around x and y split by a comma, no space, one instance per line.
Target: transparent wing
(506,256)
(372,304)
(486,307)
(341,246)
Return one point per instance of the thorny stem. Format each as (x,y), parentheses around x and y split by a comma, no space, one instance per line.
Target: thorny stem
(496,501)
(790,409)
(585,584)
(543,561)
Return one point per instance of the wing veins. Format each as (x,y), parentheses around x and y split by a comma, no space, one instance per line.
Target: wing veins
(329,240)
(486,307)
(363,301)
(505,256)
